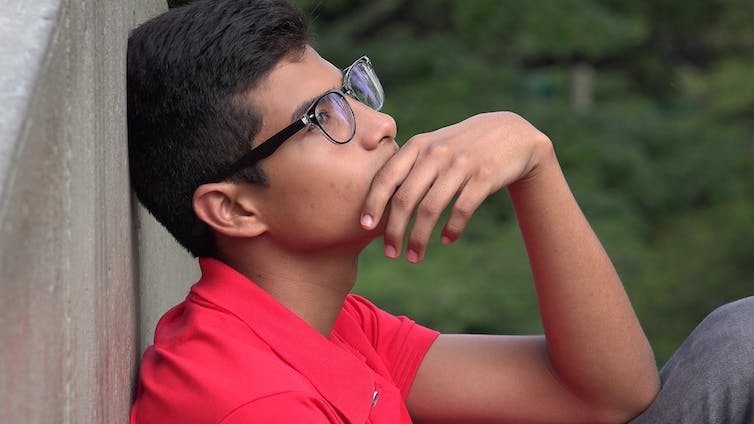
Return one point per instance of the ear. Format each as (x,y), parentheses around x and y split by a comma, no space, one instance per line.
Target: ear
(229,209)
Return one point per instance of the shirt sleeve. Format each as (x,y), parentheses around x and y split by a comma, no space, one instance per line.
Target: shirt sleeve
(284,408)
(399,341)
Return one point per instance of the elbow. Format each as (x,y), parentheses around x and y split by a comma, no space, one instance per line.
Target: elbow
(641,405)
(634,403)
(644,397)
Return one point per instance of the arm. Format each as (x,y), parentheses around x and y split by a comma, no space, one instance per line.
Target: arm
(594,362)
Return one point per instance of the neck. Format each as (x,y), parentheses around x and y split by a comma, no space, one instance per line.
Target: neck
(313,284)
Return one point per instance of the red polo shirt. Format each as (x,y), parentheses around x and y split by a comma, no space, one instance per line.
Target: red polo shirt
(231,353)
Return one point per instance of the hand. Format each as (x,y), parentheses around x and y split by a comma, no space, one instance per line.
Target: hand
(472,159)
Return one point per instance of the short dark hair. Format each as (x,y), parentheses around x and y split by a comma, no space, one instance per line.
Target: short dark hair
(188,73)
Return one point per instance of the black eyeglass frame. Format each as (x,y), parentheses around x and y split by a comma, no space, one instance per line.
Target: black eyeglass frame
(268,147)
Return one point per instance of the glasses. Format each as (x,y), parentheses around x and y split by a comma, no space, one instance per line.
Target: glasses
(330,113)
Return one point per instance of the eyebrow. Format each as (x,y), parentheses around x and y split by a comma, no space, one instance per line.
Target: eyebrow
(306,104)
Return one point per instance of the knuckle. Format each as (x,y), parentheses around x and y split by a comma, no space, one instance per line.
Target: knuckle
(453,230)
(418,139)
(438,150)
(484,173)
(428,210)
(461,159)
(401,200)
(511,115)
(462,211)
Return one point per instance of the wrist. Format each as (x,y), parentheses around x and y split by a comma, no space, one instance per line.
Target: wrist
(542,163)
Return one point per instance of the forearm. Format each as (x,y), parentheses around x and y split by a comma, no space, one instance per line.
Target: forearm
(595,342)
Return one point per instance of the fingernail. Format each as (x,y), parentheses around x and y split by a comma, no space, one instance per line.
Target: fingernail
(390,251)
(367,221)
(412,256)
(446,240)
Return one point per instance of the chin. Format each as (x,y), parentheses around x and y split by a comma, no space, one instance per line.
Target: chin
(367,237)
(364,238)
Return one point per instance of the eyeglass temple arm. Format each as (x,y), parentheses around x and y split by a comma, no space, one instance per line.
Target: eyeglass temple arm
(264,150)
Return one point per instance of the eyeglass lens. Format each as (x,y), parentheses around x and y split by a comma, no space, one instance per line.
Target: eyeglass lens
(335,116)
(364,84)
(333,113)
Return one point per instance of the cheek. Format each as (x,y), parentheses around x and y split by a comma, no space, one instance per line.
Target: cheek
(345,191)
(330,182)
(340,198)
(318,202)
(317,193)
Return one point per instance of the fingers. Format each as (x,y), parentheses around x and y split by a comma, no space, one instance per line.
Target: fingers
(434,179)
(384,185)
(471,195)
(470,160)
(412,190)
(466,204)
(429,210)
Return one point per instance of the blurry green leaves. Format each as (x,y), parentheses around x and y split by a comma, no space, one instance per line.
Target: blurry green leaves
(726,89)
(559,29)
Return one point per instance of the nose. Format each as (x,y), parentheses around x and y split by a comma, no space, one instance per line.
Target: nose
(372,127)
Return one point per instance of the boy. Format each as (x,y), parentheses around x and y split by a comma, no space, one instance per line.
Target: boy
(276,168)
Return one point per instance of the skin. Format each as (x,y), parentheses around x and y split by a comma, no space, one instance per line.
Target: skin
(300,237)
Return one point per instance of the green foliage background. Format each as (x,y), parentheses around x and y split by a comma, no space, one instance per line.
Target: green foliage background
(660,157)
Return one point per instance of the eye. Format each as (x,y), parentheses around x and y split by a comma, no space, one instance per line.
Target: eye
(322,117)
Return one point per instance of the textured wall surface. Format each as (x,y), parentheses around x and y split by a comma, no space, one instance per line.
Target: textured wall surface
(166,273)
(71,325)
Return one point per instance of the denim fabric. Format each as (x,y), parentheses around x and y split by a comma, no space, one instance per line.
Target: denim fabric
(710,379)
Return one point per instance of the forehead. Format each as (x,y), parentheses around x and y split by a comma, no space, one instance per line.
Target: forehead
(293,80)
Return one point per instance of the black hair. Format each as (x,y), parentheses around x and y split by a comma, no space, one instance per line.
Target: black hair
(189,71)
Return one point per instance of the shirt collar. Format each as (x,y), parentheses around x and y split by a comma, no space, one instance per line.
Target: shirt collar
(338,376)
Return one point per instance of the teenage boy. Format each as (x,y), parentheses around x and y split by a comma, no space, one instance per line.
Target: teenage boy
(276,168)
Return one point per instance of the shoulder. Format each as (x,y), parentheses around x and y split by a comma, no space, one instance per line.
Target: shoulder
(359,307)
(201,368)
(375,322)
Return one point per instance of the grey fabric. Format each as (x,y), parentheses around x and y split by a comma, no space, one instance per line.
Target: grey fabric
(710,379)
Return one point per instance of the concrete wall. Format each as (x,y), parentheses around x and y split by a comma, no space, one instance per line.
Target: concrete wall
(74,248)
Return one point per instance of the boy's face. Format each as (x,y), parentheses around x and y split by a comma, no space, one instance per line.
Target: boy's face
(317,188)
